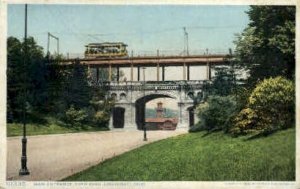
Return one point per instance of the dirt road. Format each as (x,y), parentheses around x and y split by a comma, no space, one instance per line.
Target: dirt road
(53,157)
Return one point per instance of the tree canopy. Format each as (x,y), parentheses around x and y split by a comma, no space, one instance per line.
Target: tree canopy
(267,46)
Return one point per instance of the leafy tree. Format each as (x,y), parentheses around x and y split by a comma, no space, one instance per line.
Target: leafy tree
(77,89)
(271,106)
(26,71)
(217,113)
(267,46)
(76,117)
(224,82)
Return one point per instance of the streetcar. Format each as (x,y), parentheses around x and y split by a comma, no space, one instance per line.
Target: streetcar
(107,49)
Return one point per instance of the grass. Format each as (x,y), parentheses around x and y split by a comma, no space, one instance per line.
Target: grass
(47,125)
(200,157)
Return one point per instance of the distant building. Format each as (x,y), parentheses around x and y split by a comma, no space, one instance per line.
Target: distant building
(159,122)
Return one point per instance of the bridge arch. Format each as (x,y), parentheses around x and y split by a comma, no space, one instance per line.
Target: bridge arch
(140,106)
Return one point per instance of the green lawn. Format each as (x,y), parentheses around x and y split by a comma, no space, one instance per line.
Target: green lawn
(49,125)
(200,157)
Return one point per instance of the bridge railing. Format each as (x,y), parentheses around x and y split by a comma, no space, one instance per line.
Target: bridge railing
(145,53)
(151,85)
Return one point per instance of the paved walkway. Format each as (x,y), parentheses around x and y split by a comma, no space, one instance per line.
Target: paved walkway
(53,157)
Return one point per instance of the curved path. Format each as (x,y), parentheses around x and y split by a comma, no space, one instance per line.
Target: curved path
(53,157)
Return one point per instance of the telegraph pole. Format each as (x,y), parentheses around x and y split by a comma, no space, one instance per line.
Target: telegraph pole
(186,41)
(48,43)
(24,170)
(144,122)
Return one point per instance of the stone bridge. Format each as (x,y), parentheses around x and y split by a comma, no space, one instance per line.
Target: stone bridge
(131,98)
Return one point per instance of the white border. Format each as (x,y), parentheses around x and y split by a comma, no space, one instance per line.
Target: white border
(167,185)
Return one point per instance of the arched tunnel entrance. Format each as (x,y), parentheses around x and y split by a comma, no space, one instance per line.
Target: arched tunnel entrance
(191,116)
(140,106)
(118,117)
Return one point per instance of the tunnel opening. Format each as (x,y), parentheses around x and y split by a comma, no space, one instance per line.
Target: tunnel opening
(152,123)
(118,117)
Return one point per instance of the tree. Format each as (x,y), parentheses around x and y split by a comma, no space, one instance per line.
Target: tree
(271,106)
(224,82)
(77,89)
(267,46)
(30,76)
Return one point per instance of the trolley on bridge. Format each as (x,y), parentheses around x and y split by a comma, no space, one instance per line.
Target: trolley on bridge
(107,49)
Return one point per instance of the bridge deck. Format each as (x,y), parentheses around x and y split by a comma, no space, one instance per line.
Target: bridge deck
(154,60)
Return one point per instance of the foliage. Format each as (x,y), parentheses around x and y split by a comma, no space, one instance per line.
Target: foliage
(50,125)
(77,90)
(56,80)
(101,117)
(271,107)
(76,117)
(267,46)
(217,113)
(43,85)
(195,157)
(26,74)
(101,108)
(224,82)
(196,128)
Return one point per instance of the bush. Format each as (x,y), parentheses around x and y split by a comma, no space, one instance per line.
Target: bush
(101,118)
(76,117)
(217,113)
(245,122)
(196,128)
(271,106)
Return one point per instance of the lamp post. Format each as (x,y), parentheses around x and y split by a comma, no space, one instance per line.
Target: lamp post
(144,122)
(24,170)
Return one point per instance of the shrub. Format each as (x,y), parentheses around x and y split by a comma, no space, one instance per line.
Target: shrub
(271,106)
(76,117)
(101,118)
(245,122)
(196,128)
(217,113)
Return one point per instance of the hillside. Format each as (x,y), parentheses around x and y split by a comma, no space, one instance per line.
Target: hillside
(202,157)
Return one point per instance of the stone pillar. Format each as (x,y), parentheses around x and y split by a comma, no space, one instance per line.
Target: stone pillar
(188,72)
(131,72)
(163,73)
(183,72)
(138,73)
(183,117)
(157,72)
(129,116)
(208,71)
(109,73)
(131,67)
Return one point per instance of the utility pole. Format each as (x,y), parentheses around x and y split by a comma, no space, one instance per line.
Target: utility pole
(48,43)
(144,122)
(186,42)
(24,170)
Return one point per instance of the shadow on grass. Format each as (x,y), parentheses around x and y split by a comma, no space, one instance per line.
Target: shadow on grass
(211,132)
(260,135)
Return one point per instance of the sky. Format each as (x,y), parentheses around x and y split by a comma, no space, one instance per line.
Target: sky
(144,28)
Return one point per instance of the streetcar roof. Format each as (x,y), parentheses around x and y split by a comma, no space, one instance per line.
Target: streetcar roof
(106,44)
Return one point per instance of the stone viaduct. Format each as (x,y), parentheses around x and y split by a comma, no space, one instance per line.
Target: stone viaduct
(131,96)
